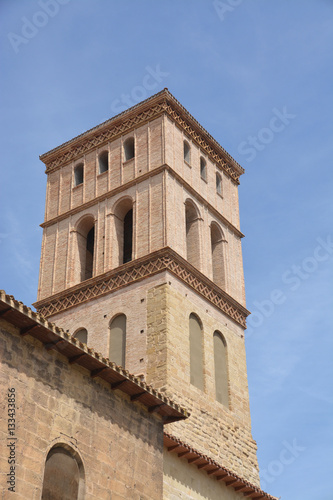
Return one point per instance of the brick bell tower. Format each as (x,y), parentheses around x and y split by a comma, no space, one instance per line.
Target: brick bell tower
(141,259)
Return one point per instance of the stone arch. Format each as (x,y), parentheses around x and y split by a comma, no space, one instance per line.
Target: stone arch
(64,475)
(217,252)
(221,368)
(196,351)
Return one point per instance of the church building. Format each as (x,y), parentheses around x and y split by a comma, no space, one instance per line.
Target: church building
(130,380)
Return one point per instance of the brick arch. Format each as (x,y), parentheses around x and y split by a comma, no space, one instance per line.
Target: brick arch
(217,241)
(192,233)
(123,248)
(221,368)
(84,252)
(117,339)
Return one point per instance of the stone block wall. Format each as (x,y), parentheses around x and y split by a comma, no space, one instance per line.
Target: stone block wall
(223,433)
(119,442)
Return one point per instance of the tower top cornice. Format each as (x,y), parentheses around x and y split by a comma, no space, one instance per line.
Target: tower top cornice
(161,103)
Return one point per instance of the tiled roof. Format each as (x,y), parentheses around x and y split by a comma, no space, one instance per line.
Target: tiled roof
(214,469)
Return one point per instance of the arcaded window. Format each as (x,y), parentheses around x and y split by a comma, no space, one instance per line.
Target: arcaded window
(203,168)
(82,335)
(221,369)
(78,174)
(86,245)
(196,352)
(187,152)
(192,234)
(218,184)
(117,346)
(129,149)
(103,162)
(63,475)
(216,237)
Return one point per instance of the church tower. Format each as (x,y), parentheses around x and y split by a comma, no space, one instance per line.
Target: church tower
(141,259)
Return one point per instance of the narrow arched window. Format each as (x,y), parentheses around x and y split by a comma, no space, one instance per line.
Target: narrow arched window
(218,184)
(216,237)
(196,353)
(103,162)
(117,348)
(192,234)
(86,244)
(221,369)
(90,253)
(78,174)
(81,335)
(129,149)
(203,168)
(63,475)
(128,236)
(123,249)
(187,152)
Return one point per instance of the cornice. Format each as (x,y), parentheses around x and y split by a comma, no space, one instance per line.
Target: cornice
(162,103)
(135,181)
(165,259)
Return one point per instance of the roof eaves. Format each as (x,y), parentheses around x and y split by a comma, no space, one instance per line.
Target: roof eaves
(53,337)
(213,468)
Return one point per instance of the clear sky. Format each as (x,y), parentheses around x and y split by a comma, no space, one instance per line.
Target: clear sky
(257,74)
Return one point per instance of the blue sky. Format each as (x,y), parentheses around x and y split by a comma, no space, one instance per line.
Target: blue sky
(257,74)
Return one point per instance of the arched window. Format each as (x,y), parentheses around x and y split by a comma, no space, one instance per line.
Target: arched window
(124,231)
(78,174)
(187,152)
(128,236)
(196,354)
(86,245)
(218,184)
(82,335)
(216,237)
(203,168)
(103,162)
(117,347)
(129,149)
(192,234)
(63,475)
(221,369)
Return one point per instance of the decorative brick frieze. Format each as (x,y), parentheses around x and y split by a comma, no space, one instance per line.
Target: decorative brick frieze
(137,270)
(162,103)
